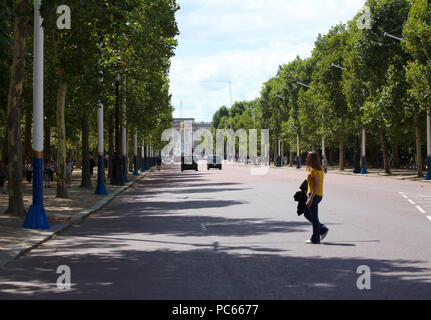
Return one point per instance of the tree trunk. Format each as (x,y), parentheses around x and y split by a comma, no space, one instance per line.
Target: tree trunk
(16,203)
(110,142)
(331,157)
(395,155)
(27,134)
(131,150)
(341,153)
(385,152)
(419,160)
(86,176)
(5,146)
(78,158)
(292,157)
(61,136)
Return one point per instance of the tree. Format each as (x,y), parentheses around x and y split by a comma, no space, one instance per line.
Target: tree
(16,203)
(417,32)
(374,54)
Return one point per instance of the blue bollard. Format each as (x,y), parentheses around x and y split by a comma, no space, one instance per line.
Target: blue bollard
(36,216)
(364,169)
(101,188)
(135,171)
(428,176)
(142,165)
(125,169)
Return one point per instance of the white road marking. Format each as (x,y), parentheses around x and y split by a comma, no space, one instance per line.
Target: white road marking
(420,209)
(203,227)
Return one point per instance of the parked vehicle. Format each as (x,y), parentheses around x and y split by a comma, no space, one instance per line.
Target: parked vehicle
(214,161)
(188,163)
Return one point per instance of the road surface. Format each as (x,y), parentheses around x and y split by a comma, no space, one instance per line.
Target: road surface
(232,235)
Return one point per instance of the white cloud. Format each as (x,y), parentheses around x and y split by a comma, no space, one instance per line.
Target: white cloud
(243,41)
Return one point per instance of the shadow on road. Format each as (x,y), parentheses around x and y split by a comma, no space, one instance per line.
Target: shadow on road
(116,256)
(112,271)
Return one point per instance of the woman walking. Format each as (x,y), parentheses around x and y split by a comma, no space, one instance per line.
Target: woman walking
(315,194)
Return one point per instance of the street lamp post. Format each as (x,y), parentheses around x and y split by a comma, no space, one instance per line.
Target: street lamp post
(298,158)
(135,153)
(364,152)
(143,156)
(36,216)
(428,175)
(117,175)
(279,133)
(124,135)
(101,189)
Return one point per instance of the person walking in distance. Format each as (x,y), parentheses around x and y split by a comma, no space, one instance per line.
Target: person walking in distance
(69,171)
(325,164)
(315,195)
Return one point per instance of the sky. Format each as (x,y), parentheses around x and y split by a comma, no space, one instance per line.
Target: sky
(243,42)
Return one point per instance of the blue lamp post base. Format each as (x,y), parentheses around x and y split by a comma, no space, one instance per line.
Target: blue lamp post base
(135,171)
(101,188)
(428,176)
(36,216)
(298,163)
(143,165)
(364,169)
(278,162)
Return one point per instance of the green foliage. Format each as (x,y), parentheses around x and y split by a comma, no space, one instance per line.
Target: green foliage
(382,82)
(417,32)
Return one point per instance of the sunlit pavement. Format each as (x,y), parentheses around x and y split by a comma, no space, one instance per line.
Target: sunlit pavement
(233,235)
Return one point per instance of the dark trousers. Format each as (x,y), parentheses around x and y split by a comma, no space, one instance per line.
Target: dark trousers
(312,215)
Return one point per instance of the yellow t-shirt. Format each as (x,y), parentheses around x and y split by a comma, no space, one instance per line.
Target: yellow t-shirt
(319,174)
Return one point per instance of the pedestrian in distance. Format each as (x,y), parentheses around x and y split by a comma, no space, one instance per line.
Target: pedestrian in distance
(29,170)
(159,162)
(92,164)
(325,164)
(69,170)
(315,181)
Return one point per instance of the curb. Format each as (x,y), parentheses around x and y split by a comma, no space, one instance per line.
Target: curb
(11,254)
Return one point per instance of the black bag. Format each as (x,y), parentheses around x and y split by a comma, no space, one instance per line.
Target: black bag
(301,198)
(304,186)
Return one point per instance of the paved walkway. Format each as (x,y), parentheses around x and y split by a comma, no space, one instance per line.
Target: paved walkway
(61,213)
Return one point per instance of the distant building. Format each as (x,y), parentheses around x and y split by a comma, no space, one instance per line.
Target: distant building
(176,124)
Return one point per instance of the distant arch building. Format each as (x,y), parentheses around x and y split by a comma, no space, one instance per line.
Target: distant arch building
(176,124)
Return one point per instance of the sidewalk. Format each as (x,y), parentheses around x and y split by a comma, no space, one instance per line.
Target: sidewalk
(61,213)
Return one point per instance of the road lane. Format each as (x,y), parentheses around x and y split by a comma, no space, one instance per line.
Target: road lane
(230,235)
